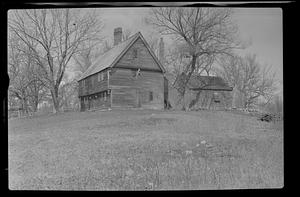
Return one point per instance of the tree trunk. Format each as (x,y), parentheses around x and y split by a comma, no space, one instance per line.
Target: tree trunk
(35,103)
(24,106)
(194,101)
(182,94)
(193,65)
(54,94)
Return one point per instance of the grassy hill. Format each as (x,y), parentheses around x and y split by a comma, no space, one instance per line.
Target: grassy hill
(144,150)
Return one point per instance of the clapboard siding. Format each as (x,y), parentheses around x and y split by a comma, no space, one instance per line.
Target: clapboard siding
(123,97)
(91,85)
(128,90)
(144,59)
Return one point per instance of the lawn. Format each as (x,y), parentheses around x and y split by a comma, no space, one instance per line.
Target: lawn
(144,150)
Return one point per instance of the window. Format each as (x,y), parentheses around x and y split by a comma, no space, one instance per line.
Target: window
(99,77)
(150,96)
(105,75)
(135,53)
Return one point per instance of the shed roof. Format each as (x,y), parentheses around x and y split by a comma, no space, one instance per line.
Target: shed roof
(197,82)
(111,57)
(208,83)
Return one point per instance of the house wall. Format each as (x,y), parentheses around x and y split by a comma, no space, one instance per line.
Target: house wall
(130,91)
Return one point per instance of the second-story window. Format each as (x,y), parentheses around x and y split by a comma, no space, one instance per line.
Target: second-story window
(105,75)
(99,77)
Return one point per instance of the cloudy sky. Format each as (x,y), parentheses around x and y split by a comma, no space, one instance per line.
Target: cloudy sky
(261,26)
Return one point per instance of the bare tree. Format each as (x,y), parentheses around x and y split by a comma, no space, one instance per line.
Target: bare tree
(18,79)
(23,72)
(54,37)
(205,32)
(247,75)
(84,58)
(176,61)
(36,88)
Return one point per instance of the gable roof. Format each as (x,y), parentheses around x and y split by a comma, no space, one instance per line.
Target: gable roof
(197,82)
(208,83)
(111,57)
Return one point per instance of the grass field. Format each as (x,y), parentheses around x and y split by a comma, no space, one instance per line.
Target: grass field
(144,150)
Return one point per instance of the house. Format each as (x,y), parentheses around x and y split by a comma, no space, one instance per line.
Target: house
(214,92)
(127,76)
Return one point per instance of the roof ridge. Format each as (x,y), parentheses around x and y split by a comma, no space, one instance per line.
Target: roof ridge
(130,37)
(108,53)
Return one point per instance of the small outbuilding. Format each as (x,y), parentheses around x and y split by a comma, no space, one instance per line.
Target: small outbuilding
(212,92)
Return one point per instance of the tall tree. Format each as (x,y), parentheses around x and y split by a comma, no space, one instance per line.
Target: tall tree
(205,32)
(54,36)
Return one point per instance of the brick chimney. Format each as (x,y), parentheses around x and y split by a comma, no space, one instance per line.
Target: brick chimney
(117,35)
(161,51)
